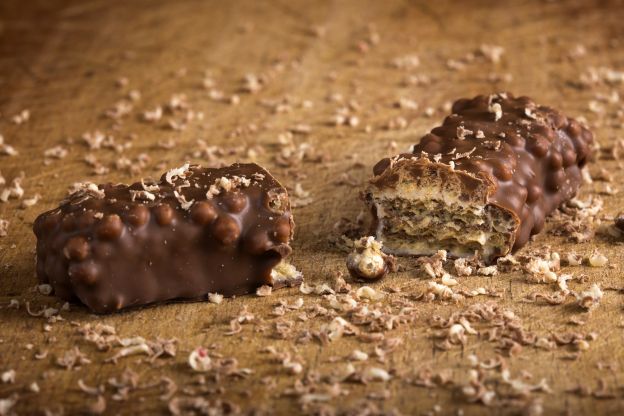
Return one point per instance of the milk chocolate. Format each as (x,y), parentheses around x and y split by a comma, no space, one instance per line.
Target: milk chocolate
(481,183)
(194,232)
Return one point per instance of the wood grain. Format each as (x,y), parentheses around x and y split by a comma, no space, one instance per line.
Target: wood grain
(61,59)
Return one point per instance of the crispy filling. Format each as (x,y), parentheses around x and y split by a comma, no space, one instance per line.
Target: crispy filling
(424,226)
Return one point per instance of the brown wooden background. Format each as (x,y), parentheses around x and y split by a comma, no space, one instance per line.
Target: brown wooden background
(61,60)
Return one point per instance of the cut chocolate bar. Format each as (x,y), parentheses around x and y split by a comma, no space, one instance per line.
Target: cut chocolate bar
(481,183)
(196,231)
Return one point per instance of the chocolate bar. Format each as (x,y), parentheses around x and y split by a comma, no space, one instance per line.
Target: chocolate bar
(197,231)
(481,183)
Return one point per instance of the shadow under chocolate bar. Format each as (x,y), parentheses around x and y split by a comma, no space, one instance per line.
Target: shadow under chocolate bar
(481,183)
(196,231)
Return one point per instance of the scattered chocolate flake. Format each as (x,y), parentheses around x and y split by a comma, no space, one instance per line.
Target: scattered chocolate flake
(8,376)
(6,404)
(300,198)
(462,133)
(286,274)
(406,104)
(34,387)
(345,178)
(153,115)
(72,359)
(56,152)
(93,391)
(4,227)
(29,202)
(367,292)
(542,267)
(495,108)
(375,374)
(6,150)
(264,290)
(45,289)
(302,129)
(433,265)
(98,407)
(21,117)
(492,53)
(198,405)
(590,298)
(199,360)
(97,140)
(215,298)
(596,259)
(572,259)
(13,191)
(576,219)
(406,62)
(357,355)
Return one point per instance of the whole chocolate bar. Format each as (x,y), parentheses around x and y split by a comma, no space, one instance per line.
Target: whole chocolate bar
(481,183)
(197,231)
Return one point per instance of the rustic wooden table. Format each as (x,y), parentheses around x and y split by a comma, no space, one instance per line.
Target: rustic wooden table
(386,70)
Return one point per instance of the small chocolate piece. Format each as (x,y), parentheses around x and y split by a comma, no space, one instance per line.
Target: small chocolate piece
(197,231)
(367,261)
(483,182)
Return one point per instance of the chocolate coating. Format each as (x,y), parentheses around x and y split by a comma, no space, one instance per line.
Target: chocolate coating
(528,157)
(196,231)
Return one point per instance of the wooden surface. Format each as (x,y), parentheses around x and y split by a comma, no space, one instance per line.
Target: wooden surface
(62,61)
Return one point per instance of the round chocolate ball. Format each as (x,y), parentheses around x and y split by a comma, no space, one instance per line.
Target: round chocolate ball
(204,213)
(77,248)
(110,228)
(226,230)
(164,214)
(138,215)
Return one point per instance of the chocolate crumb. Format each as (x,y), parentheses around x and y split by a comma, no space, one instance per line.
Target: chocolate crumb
(367,261)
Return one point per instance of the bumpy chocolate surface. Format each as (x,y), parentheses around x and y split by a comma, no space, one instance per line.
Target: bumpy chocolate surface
(196,231)
(529,157)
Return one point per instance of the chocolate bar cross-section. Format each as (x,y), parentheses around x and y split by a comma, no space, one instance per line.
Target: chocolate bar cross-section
(194,232)
(481,183)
